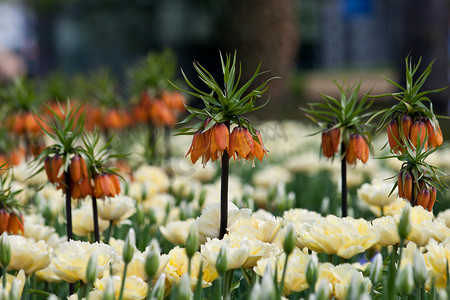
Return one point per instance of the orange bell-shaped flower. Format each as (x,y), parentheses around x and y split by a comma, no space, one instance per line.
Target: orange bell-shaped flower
(433,193)
(241,143)
(406,124)
(435,138)
(52,166)
(418,134)
(198,146)
(357,149)
(260,150)
(16,224)
(327,148)
(4,220)
(393,136)
(423,198)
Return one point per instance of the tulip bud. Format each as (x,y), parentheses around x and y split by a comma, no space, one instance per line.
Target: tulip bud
(393,136)
(159,288)
(109,293)
(192,241)
(312,271)
(375,268)
(92,269)
(5,250)
(419,268)
(443,295)
(289,239)
(405,280)
(152,259)
(184,289)
(323,292)
(268,290)
(221,262)
(404,226)
(256,293)
(355,290)
(128,247)
(15,290)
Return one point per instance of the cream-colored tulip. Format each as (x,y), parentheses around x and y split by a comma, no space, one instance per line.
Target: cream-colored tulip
(153,175)
(436,258)
(424,227)
(387,228)
(345,237)
(209,221)
(83,220)
(135,288)
(70,259)
(177,266)
(116,209)
(339,278)
(236,251)
(19,281)
(376,193)
(177,232)
(27,254)
(295,280)
(263,230)
(445,215)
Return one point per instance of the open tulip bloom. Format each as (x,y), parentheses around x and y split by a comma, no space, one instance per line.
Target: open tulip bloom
(224,108)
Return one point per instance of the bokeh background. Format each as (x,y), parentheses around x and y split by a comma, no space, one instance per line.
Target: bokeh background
(306,42)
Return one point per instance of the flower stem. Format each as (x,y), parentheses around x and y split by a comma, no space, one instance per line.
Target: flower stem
(68,205)
(124,276)
(227,284)
(108,233)
(284,275)
(95,213)
(224,190)
(343,180)
(4,277)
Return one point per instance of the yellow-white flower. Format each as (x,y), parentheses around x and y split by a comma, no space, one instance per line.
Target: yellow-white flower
(177,232)
(19,281)
(376,193)
(69,259)
(37,232)
(27,254)
(271,175)
(263,230)
(177,266)
(116,209)
(339,278)
(436,257)
(236,251)
(135,288)
(136,266)
(152,175)
(445,215)
(209,221)
(83,220)
(295,279)
(393,209)
(387,228)
(424,227)
(342,236)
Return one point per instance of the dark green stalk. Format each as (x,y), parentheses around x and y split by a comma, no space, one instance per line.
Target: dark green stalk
(124,276)
(69,215)
(344,180)
(95,213)
(4,276)
(108,232)
(224,190)
(283,276)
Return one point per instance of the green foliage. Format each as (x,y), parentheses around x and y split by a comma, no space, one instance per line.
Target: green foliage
(411,99)
(348,112)
(152,72)
(224,103)
(20,95)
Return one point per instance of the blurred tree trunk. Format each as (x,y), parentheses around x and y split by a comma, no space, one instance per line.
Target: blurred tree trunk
(423,32)
(264,31)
